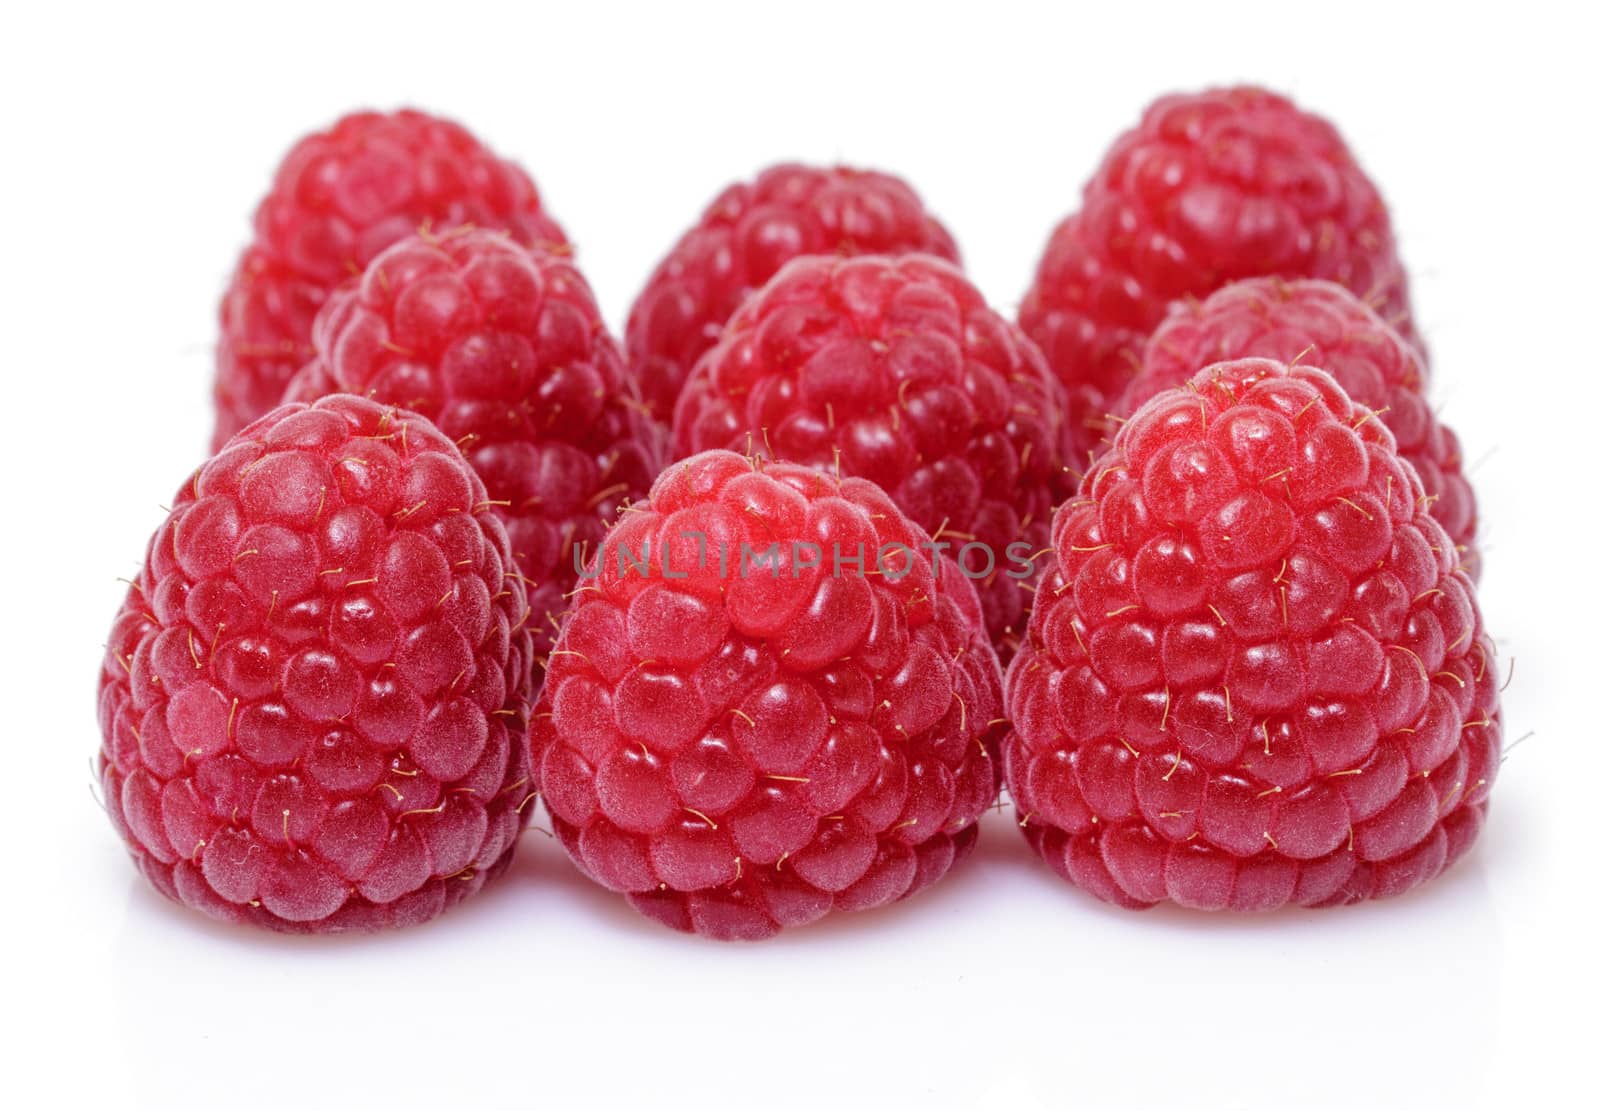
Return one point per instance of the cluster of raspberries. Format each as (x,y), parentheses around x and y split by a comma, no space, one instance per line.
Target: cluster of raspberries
(768,604)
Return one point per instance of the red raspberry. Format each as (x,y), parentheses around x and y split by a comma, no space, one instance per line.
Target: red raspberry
(1324,325)
(312,698)
(1209,188)
(897,371)
(503,347)
(742,746)
(1256,673)
(340,197)
(744,237)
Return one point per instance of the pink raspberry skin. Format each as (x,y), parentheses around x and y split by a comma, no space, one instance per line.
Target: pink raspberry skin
(743,239)
(1255,674)
(1323,325)
(341,196)
(741,748)
(1209,188)
(897,371)
(503,347)
(313,698)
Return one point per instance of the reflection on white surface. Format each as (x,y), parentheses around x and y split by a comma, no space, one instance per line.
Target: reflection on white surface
(1001,981)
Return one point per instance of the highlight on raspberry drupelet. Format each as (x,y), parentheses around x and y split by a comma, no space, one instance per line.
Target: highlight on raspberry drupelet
(1256,673)
(313,700)
(897,371)
(1207,189)
(767,703)
(1323,325)
(339,197)
(744,237)
(503,347)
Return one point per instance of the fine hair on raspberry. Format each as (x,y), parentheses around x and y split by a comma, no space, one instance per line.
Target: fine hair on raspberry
(1256,673)
(744,237)
(1207,188)
(896,370)
(338,198)
(740,747)
(1324,325)
(503,347)
(313,700)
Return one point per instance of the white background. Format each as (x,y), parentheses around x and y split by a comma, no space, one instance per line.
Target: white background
(136,144)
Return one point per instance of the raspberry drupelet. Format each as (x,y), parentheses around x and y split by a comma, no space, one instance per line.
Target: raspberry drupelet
(1209,188)
(1256,673)
(1323,325)
(313,698)
(744,237)
(767,705)
(897,371)
(503,347)
(339,197)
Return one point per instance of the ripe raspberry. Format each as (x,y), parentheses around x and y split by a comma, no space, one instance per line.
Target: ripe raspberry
(340,197)
(1207,189)
(503,347)
(1324,325)
(1256,673)
(897,371)
(312,698)
(743,239)
(741,746)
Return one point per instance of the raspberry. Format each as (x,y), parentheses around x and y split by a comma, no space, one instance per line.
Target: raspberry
(340,197)
(1255,674)
(1207,189)
(898,372)
(311,704)
(503,347)
(744,237)
(1322,324)
(742,746)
